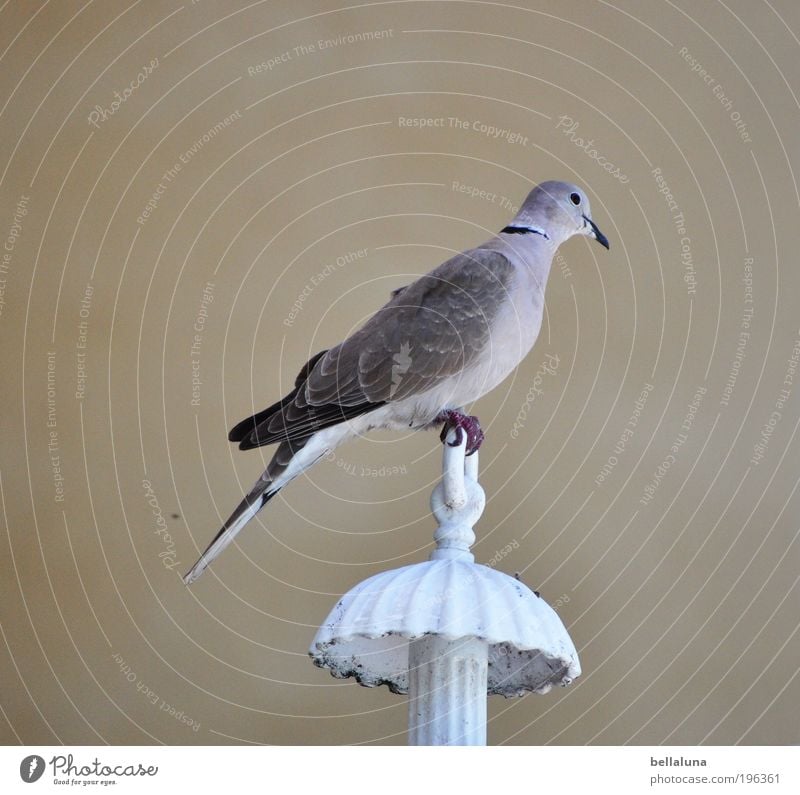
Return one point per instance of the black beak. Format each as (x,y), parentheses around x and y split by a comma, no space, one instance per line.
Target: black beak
(596,233)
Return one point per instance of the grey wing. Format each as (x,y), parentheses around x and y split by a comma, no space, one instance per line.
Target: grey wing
(429,331)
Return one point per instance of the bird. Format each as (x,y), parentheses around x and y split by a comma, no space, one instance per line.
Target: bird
(438,344)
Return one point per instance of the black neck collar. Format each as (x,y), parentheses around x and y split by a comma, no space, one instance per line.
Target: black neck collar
(524,230)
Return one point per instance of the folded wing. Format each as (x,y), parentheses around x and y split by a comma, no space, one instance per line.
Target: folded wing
(429,331)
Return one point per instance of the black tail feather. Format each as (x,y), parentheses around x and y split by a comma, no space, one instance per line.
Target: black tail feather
(245,428)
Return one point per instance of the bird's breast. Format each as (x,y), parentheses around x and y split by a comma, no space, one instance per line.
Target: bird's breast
(513,334)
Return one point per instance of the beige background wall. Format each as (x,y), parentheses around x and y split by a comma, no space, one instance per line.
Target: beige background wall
(684,607)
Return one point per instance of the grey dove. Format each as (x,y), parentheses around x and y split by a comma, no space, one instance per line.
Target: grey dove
(439,344)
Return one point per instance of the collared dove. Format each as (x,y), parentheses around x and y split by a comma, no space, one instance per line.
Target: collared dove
(438,344)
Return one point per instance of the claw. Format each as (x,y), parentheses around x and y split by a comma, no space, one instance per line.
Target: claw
(461,423)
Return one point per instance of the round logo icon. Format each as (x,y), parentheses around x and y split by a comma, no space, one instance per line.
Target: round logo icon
(31,768)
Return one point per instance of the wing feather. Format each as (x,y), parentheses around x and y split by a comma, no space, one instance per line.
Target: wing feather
(429,331)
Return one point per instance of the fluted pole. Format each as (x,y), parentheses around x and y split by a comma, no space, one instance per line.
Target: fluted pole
(447,691)
(447,678)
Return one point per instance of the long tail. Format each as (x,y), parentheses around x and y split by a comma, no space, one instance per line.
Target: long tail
(278,473)
(258,497)
(290,459)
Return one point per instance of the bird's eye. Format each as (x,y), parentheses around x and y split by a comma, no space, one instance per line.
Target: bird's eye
(575,198)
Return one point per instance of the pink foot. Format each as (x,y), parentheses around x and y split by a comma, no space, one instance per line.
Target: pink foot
(462,424)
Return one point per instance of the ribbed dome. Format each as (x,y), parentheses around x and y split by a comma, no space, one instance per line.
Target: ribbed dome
(366,634)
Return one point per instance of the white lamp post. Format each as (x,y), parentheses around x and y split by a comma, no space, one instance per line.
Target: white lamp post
(448,631)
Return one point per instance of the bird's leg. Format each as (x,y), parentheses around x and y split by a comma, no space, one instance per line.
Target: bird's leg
(462,423)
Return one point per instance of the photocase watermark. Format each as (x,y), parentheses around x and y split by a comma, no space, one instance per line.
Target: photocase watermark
(679,221)
(745,321)
(456,123)
(82,341)
(464,586)
(569,127)
(717,90)
(627,434)
(79,775)
(10,243)
(548,367)
(767,429)
(199,326)
(185,156)
(53,449)
(318,278)
(167,555)
(784,393)
(31,768)
(170,175)
(366,470)
(466,583)
(100,114)
(563,266)
(674,451)
(151,695)
(485,195)
(499,554)
(401,361)
(314,47)
(791,371)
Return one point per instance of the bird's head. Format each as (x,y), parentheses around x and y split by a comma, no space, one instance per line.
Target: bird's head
(561,210)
